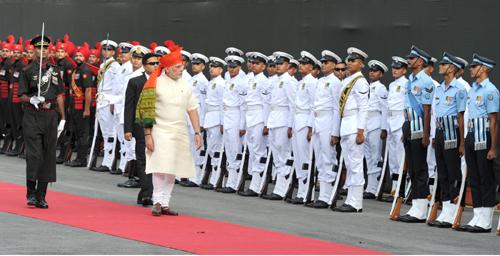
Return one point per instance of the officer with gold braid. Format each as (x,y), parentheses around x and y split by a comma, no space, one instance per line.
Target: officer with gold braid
(351,127)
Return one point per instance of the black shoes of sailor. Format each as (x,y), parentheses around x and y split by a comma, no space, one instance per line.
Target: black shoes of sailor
(248,193)
(346,208)
(410,219)
(272,196)
(296,200)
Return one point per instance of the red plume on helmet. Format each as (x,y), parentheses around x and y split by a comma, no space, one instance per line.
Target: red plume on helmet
(86,45)
(169,44)
(10,39)
(65,38)
(134,43)
(152,46)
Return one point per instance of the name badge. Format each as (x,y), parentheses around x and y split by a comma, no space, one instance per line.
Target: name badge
(2,72)
(16,74)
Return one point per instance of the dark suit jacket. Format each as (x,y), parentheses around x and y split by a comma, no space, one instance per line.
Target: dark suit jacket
(134,89)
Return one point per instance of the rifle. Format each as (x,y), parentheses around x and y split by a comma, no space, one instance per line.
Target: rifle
(400,189)
(498,227)
(240,183)
(433,210)
(266,174)
(219,170)
(379,192)
(460,201)
(336,185)
(311,171)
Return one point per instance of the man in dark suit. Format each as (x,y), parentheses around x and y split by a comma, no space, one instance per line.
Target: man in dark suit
(135,130)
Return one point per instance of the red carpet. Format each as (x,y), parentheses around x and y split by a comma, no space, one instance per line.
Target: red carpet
(186,233)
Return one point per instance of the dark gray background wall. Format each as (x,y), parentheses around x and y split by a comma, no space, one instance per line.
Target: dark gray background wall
(380,27)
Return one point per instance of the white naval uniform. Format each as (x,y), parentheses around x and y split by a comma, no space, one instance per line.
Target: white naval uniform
(233,121)
(104,116)
(258,92)
(200,85)
(396,117)
(213,120)
(129,145)
(186,76)
(126,71)
(326,113)
(279,120)
(241,74)
(354,117)
(303,120)
(377,121)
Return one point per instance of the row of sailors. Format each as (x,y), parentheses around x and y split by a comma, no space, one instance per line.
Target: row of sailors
(292,120)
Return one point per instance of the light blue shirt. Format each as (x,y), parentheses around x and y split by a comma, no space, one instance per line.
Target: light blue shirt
(422,87)
(482,99)
(450,100)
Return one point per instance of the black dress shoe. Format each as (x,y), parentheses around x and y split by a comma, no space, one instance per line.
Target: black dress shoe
(59,160)
(249,193)
(146,201)
(115,172)
(466,228)
(296,200)
(207,186)
(368,195)
(319,204)
(272,197)
(445,224)
(41,204)
(410,219)
(435,223)
(346,208)
(12,153)
(476,229)
(101,168)
(31,200)
(168,211)
(227,190)
(188,184)
(77,163)
(130,183)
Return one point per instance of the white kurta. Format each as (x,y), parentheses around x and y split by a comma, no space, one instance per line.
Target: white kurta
(172,152)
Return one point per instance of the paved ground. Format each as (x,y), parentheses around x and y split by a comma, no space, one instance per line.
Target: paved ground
(371,229)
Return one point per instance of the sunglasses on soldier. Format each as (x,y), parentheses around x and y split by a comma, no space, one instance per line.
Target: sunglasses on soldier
(155,63)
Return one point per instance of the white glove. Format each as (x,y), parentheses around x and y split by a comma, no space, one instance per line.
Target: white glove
(35,101)
(60,127)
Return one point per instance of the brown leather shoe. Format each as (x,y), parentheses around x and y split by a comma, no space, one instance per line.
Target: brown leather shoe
(168,211)
(157,210)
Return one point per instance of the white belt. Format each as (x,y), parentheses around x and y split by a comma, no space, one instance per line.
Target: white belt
(254,107)
(212,108)
(396,112)
(279,108)
(351,112)
(299,111)
(230,108)
(373,113)
(324,112)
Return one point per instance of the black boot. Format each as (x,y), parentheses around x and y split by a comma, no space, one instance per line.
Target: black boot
(7,144)
(62,155)
(41,191)
(31,192)
(17,148)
